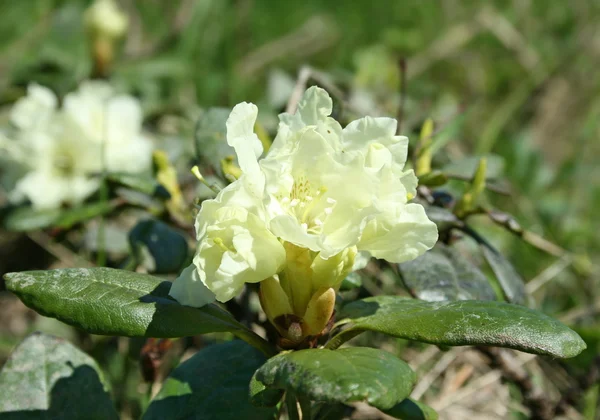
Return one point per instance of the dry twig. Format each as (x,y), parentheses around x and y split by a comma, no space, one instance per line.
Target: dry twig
(533,396)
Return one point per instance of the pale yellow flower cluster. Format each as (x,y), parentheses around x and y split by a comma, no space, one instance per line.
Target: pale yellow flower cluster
(53,155)
(298,216)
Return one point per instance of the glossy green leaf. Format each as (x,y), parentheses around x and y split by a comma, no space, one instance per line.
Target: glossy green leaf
(24,219)
(510,281)
(344,375)
(460,323)
(47,377)
(142,183)
(117,302)
(212,384)
(410,409)
(443,273)
(159,247)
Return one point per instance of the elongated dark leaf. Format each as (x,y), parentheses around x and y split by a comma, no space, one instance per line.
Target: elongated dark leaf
(27,218)
(115,302)
(344,375)
(445,274)
(142,183)
(510,281)
(47,377)
(460,323)
(212,384)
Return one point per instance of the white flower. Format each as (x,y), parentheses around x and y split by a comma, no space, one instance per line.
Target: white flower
(323,191)
(54,155)
(51,167)
(328,188)
(97,114)
(234,247)
(35,109)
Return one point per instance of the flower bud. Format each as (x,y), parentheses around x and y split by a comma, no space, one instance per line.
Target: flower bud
(306,272)
(105,19)
(301,303)
(332,271)
(319,311)
(470,198)
(424,153)
(274,301)
(296,278)
(106,23)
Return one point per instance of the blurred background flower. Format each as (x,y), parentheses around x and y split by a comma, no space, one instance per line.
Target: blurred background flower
(54,156)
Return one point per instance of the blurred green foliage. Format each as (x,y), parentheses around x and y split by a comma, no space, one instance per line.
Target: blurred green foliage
(516,78)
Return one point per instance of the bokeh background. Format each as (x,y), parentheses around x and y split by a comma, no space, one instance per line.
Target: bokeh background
(516,81)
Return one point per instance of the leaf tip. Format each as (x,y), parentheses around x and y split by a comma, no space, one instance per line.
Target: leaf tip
(16,281)
(573,346)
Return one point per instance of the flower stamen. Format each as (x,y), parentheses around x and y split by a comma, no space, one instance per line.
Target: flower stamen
(219,242)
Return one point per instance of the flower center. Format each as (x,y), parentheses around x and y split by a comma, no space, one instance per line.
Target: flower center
(221,244)
(64,163)
(309,204)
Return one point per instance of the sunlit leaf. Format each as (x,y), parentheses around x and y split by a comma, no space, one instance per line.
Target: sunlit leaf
(460,323)
(115,302)
(343,375)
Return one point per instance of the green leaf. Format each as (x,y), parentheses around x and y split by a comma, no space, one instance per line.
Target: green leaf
(157,245)
(142,183)
(443,273)
(410,409)
(261,396)
(460,323)
(510,281)
(47,377)
(212,384)
(117,302)
(23,219)
(344,375)
(153,205)
(210,138)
